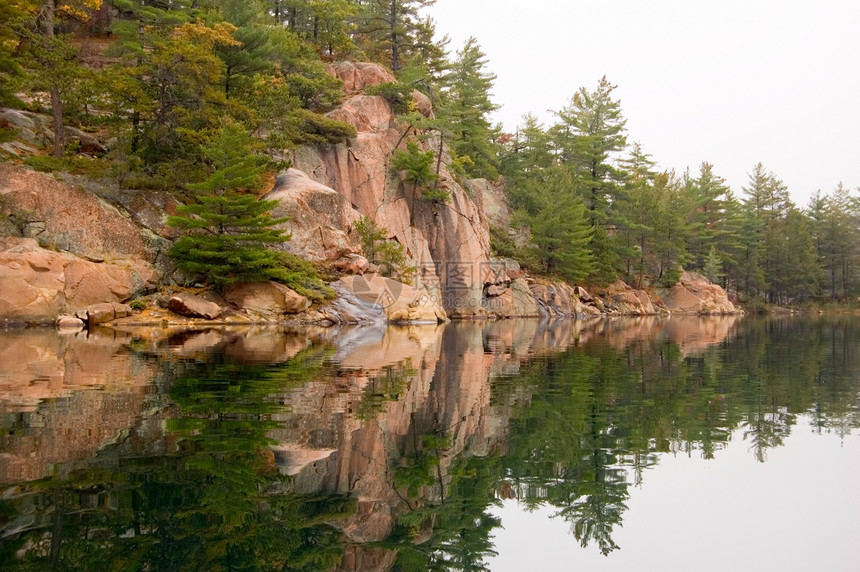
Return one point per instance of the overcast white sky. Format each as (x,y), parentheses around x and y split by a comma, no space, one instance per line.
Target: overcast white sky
(732,82)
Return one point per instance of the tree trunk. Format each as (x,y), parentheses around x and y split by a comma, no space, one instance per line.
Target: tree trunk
(47,24)
(395,52)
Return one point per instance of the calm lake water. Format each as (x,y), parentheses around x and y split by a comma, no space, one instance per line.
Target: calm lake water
(647,444)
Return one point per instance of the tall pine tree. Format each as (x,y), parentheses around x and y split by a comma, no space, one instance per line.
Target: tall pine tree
(228,230)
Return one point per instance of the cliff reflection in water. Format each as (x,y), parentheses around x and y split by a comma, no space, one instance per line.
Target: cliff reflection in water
(379,449)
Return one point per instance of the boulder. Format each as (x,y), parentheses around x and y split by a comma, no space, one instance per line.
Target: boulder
(65,322)
(357,76)
(422,103)
(100,313)
(187,304)
(352,264)
(37,129)
(512,301)
(37,285)
(695,294)
(400,302)
(121,310)
(559,300)
(620,298)
(266,299)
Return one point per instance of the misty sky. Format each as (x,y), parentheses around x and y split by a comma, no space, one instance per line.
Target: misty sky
(730,82)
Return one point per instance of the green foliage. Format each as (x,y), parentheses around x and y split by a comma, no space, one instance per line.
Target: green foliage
(559,228)
(398,95)
(227,230)
(370,234)
(465,110)
(416,169)
(86,166)
(303,277)
(388,254)
(391,31)
(138,304)
(6,135)
(310,128)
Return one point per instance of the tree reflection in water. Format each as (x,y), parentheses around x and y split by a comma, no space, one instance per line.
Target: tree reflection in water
(394,456)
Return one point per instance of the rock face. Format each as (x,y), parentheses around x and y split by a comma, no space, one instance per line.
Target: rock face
(321,220)
(560,300)
(514,300)
(357,76)
(695,294)
(36,130)
(69,218)
(37,285)
(448,243)
(619,298)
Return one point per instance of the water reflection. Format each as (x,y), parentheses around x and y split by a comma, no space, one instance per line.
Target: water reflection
(379,449)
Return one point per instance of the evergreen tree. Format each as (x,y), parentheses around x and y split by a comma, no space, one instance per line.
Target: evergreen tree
(706,194)
(588,137)
(526,151)
(54,60)
(640,212)
(14,17)
(416,169)
(670,230)
(254,51)
(228,229)
(323,23)
(560,232)
(466,107)
(389,28)
(835,224)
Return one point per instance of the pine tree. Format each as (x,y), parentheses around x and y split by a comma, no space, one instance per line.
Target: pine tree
(389,29)
(560,232)
(416,169)
(466,107)
(640,212)
(588,137)
(54,59)
(228,229)
(14,16)
(706,193)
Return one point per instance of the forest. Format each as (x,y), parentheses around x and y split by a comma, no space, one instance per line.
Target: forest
(169,83)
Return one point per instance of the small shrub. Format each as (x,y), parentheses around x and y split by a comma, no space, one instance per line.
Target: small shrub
(85,166)
(303,277)
(397,95)
(389,254)
(45,163)
(138,304)
(370,233)
(437,195)
(309,128)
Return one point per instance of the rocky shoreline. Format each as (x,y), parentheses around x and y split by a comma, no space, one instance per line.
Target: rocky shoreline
(78,253)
